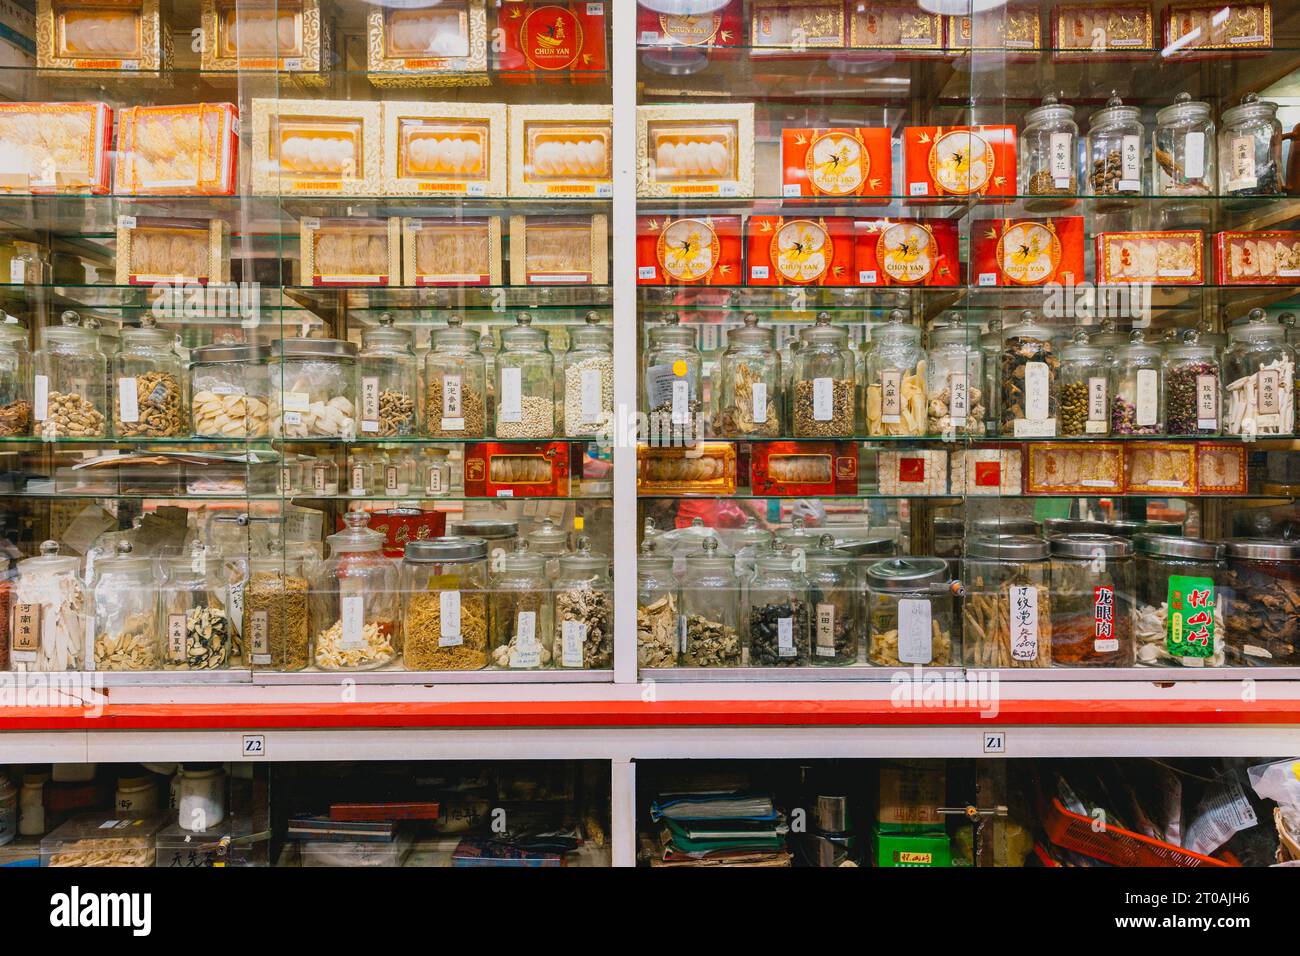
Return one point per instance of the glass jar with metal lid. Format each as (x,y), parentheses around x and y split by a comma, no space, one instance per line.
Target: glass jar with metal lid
(1259,368)
(389,380)
(15,382)
(589,380)
(199,634)
(229,390)
(455,383)
(584,609)
(525,383)
(1092,600)
(1049,155)
(1184,151)
(954,380)
(48,613)
(949,536)
(501,534)
(1179,614)
(1136,393)
(1006,524)
(313,388)
(444,584)
(658,617)
(1084,405)
(1116,147)
(549,542)
(990,362)
(1029,368)
(355,602)
(673,381)
(276,634)
(684,541)
(124,592)
(69,381)
(895,394)
(1262,591)
(910,612)
(1007,608)
(711,591)
(1192,387)
(748,387)
(1120,527)
(150,398)
(834,604)
(1250,149)
(520,611)
(777,609)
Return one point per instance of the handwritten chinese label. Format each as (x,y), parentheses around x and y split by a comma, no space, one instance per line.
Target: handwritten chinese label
(1189,631)
(1023,623)
(1104,640)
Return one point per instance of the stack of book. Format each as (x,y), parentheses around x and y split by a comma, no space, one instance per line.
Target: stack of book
(719,829)
(359,834)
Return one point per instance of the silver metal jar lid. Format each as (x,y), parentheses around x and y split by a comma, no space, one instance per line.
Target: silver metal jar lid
(1173,546)
(1090,546)
(447,550)
(312,348)
(1264,549)
(489,528)
(230,352)
(1007,547)
(906,574)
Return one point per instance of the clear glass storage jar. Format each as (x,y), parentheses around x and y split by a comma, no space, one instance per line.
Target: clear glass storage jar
(834,604)
(711,601)
(1259,368)
(1184,151)
(322,477)
(230,391)
(389,386)
(150,398)
(1262,588)
(747,390)
(910,613)
(990,362)
(1250,149)
(435,472)
(747,543)
(1084,404)
(589,380)
(444,585)
(70,381)
(1049,155)
(1116,148)
(1092,600)
(15,382)
(399,470)
(313,388)
(550,542)
(520,611)
(895,386)
(199,634)
(1028,370)
(124,592)
(355,601)
(954,381)
(658,616)
(1006,611)
(777,610)
(365,477)
(276,630)
(1193,387)
(525,383)
(1136,390)
(673,382)
(501,534)
(455,383)
(1179,616)
(584,609)
(49,614)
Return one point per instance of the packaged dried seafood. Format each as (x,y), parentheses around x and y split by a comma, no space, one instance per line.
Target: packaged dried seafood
(977,161)
(517,469)
(1257,258)
(455,149)
(559,250)
(707,469)
(250,36)
(1085,30)
(776,25)
(153,250)
(695,149)
(812,251)
(315,148)
(350,251)
(440,45)
(451,251)
(537,40)
(128,35)
(696,250)
(178,150)
(561,150)
(804,468)
(1166,258)
(55,147)
(836,162)
(1072,469)
(915,472)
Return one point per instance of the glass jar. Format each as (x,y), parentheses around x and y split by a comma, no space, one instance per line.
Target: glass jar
(201,797)
(835,611)
(324,481)
(151,400)
(589,381)
(1183,151)
(777,610)
(1084,406)
(276,631)
(990,362)
(444,604)
(1136,392)
(455,384)
(746,545)
(1262,590)
(550,542)
(354,601)
(69,384)
(584,609)
(15,382)
(1092,600)
(1250,149)
(521,610)
(1049,155)
(910,613)
(673,382)
(748,388)
(499,533)
(954,381)
(1259,368)
(199,634)
(48,616)
(288,476)
(710,599)
(1028,372)
(1193,386)
(525,383)
(895,393)
(435,477)
(1116,149)
(390,380)
(1006,612)
(31,802)
(1178,619)
(399,472)
(313,384)
(657,613)
(124,593)
(229,391)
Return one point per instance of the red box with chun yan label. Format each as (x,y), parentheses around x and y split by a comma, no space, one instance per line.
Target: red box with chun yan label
(517,469)
(795,469)
(722,27)
(843,161)
(816,251)
(977,161)
(700,250)
(915,252)
(544,39)
(1024,252)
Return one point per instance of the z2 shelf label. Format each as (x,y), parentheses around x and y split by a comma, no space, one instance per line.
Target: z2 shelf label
(254,746)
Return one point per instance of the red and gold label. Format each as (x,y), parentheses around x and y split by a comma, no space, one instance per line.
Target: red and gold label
(688,250)
(961,162)
(1028,253)
(906,252)
(837,163)
(802,250)
(551,38)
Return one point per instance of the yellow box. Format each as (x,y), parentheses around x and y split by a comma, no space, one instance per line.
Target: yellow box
(559,250)
(444,149)
(438,252)
(562,150)
(343,251)
(796,24)
(442,45)
(131,35)
(287,36)
(333,148)
(710,470)
(153,250)
(718,145)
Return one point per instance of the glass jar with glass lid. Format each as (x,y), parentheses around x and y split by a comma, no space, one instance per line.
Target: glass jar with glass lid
(954,380)
(746,544)
(1092,600)
(1084,405)
(1259,368)
(658,613)
(229,390)
(910,612)
(549,542)
(777,609)
(520,611)
(313,388)
(895,393)
(199,634)
(151,400)
(322,477)
(48,613)
(389,380)
(1250,149)
(435,472)
(673,382)
(834,605)
(70,380)
(1007,609)
(748,387)
(822,399)
(276,633)
(1263,581)
(584,609)
(990,362)
(444,584)
(1116,147)
(1184,151)
(1049,155)
(15,382)
(124,590)
(1028,372)
(1136,392)
(1193,386)
(355,601)
(1179,613)
(589,380)
(525,383)
(711,609)
(455,383)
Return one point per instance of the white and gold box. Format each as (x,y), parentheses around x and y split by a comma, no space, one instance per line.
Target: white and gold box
(440,252)
(102,35)
(450,149)
(269,36)
(562,150)
(350,251)
(559,250)
(439,45)
(153,250)
(316,148)
(695,150)
(55,147)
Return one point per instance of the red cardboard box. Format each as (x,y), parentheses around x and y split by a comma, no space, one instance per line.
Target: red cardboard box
(795,469)
(793,251)
(1221,468)
(1165,258)
(400,525)
(837,162)
(540,39)
(1200,29)
(1102,31)
(1257,258)
(702,250)
(722,27)
(907,252)
(1022,252)
(959,161)
(517,469)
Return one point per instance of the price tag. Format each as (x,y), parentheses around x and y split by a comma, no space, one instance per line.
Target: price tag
(823,399)
(573,635)
(785,637)
(1207,402)
(260,638)
(25,641)
(915,634)
(1194,155)
(825,618)
(591,385)
(1103,612)
(1037,380)
(1148,397)
(918,189)
(449,634)
(759,411)
(1022,624)
(176,649)
(527,652)
(891,396)
(354,622)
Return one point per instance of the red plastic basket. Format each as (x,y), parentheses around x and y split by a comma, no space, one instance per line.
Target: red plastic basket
(1113,845)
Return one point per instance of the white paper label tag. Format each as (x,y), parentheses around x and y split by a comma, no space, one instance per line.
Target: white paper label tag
(646,272)
(511,408)
(1131,160)
(296,401)
(759,412)
(449,619)
(358,482)
(590,384)
(825,623)
(434,484)
(891,396)
(1242,174)
(823,399)
(1061,161)
(867,277)
(988,278)
(1207,402)
(259,641)
(1097,403)
(128,400)
(1023,622)
(958,397)
(527,652)
(785,637)
(41,397)
(1270,398)
(758,272)
(573,634)
(354,621)
(681,402)
(1037,378)
(370,404)
(176,644)
(1194,155)
(1148,397)
(918,189)
(451,402)
(915,635)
